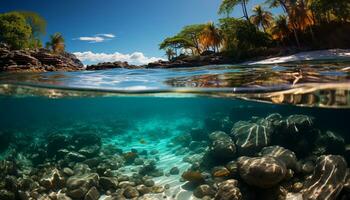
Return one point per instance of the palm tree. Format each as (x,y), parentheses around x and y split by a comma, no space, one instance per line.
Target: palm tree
(170,53)
(227,6)
(56,43)
(286,6)
(280,28)
(261,18)
(211,37)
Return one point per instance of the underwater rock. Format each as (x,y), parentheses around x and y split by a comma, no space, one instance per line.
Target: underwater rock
(149,168)
(298,123)
(86,139)
(174,171)
(76,157)
(193,177)
(294,196)
(149,183)
(53,180)
(286,156)
(222,147)
(220,172)
(92,194)
(90,151)
(143,189)
(203,190)
(8,167)
(228,190)
(296,133)
(79,185)
(68,171)
(251,137)
(56,142)
(7,195)
(232,166)
(327,179)
(138,161)
(330,142)
(130,157)
(263,172)
(108,183)
(131,192)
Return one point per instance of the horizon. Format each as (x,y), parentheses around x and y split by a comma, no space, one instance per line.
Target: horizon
(120,30)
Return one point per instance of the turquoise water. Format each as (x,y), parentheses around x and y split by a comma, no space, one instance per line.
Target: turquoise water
(217,132)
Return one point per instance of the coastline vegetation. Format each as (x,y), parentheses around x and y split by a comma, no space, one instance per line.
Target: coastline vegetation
(25,29)
(303,25)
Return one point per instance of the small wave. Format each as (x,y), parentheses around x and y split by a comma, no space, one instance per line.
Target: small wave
(316,84)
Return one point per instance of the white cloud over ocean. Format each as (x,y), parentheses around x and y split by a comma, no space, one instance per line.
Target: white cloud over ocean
(101,37)
(136,58)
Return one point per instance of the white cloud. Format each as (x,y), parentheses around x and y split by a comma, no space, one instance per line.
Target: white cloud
(101,37)
(136,58)
(107,35)
(92,39)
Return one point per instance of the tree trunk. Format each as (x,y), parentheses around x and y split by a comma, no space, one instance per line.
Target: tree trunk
(244,8)
(296,37)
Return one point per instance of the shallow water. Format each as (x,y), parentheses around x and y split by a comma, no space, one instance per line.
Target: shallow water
(143,123)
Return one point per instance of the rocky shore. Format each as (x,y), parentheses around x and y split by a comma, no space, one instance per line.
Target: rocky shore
(38,60)
(196,61)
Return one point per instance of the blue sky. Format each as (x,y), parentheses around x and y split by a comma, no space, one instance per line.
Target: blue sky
(138,25)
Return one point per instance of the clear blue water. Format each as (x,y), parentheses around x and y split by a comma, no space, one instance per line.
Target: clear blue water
(53,121)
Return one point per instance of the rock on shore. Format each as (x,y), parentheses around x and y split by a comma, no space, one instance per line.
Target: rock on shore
(112,65)
(193,61)
(37,60)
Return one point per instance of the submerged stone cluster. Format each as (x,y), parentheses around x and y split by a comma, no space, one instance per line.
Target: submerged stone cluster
(77,166)
(269,158)
(275,157)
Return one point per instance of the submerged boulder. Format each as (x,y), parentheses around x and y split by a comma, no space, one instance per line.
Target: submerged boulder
(263,172)
(327,180)
(222,147)
(79,185)
(203,190)
(330,142)
(296,132)
(250,137)
(228,190)
(288,157)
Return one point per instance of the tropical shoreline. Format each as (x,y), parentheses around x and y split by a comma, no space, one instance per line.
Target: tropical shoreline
(24,61)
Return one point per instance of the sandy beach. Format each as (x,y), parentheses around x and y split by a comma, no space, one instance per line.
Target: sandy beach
(305,56)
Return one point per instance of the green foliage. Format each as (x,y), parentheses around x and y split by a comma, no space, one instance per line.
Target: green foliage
(56,43)
(325,10)
(227,6)
(35,21)
(16,24)
(241,35)
(192,33)
(38,25)
(14,30)
(175,43)
(261,18)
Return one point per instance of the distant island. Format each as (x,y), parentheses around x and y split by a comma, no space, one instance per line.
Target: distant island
(304,26)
